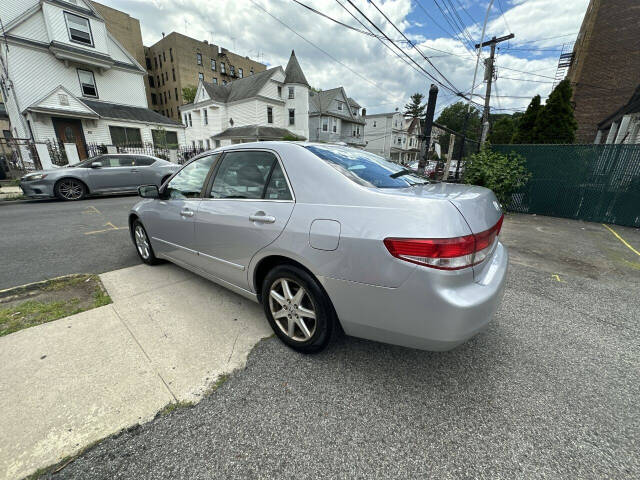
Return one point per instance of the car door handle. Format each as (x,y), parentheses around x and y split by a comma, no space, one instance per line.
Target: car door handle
(134,170)
(262,218)
(186,212)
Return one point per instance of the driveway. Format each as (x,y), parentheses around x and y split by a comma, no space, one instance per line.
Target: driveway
(550,390)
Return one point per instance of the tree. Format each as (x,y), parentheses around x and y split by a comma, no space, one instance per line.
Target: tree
(504,174)
(524,131)
(502,131)
(556,122)
(453,117)
(415,108)
(189,93)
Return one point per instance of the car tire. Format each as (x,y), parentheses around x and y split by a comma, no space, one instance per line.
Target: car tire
(70,189)
(305,321)
(142,244)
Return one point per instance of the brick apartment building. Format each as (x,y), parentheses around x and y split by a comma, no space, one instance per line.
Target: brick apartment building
(178,61)
(606,64)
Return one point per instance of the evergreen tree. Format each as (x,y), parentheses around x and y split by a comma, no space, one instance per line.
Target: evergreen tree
(502,131)
(556,122)
(452,117)
(415,108)
(524,131)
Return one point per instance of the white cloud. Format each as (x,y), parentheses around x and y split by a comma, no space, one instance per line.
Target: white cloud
(245,29)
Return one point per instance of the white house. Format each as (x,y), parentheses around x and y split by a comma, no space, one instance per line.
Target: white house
(393,136)
(64,77)
(269,105)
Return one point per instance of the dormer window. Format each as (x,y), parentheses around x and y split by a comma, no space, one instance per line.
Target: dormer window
(87,83)
(339,105)
(79,29)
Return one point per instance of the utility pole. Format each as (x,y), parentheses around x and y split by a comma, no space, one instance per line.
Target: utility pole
(488,76)
(428,127)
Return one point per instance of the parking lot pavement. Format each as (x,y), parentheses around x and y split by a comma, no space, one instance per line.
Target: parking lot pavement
(550,390)
(43,239)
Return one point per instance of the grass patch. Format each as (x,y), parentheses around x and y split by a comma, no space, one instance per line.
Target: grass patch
(43,302)
(173,406)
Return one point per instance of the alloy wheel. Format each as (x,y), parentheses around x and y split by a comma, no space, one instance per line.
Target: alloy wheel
(292,309)
(142,242)
(71,189)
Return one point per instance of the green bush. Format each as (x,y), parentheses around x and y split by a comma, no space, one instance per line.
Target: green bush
(504,174)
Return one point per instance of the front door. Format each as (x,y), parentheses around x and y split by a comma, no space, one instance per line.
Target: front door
(69,130)
(171,223)
(247,208)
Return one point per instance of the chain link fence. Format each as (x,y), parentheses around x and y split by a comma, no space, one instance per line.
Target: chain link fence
(595,183)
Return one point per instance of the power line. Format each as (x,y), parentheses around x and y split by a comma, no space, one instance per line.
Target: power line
(316,46)
(504,17)
(469,46)
(338,21)
(412,44)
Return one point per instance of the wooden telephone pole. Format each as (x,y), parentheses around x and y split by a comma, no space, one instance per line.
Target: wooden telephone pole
(489,78)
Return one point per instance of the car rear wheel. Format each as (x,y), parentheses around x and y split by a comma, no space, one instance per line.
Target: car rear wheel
(143,245)
(298,310)
(70,189)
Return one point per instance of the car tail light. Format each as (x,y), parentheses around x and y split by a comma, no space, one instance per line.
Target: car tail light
(445,253)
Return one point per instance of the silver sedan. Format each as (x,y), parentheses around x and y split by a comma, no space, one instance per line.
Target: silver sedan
(329,237)
(114,173)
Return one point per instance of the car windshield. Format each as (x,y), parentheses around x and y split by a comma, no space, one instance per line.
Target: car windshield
(366,168)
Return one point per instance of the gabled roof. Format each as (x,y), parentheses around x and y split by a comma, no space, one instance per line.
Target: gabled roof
(293,72)
(353,103)
(240,89)
(128,112)
(322,100)
(632,106)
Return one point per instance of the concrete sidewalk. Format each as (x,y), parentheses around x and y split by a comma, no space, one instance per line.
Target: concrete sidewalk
(10,191)
(166,338)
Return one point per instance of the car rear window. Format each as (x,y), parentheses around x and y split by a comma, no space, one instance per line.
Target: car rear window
(363,167)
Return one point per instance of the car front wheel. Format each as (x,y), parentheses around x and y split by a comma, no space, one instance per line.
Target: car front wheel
(70,189)
(142,243)
(298,309)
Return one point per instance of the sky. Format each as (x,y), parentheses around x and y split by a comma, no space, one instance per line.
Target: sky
(333,55)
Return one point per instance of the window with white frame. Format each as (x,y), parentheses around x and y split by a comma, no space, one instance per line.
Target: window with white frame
(199,58)
(205,116)
(79,29)
(201,76)
(269,114)
(291,92)
(334,127)
(374,124)
(190,120)
(279,91)
(292,116)
(213,65)
(222,68)
(232,70)
(339,105)
(325,124)
(87,83)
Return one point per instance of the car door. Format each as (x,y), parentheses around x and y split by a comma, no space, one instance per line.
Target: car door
(117,173)
(145,173)
(170,224)
(245,209)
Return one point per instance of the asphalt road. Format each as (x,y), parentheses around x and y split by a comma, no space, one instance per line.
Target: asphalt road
(550,390)
(46,238)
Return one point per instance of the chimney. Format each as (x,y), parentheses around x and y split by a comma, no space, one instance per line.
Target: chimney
(162,34)
(364,112)
(206,42)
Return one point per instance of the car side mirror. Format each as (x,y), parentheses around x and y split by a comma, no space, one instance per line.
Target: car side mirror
(148,191)
(96,165)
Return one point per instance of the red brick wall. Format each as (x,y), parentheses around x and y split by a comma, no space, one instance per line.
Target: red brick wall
(606,67)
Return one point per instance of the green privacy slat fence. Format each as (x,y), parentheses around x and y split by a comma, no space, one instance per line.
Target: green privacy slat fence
(596,183)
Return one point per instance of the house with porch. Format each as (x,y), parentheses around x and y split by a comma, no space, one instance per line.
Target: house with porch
(268,105)
(393,136)
(65,77)
(334,118)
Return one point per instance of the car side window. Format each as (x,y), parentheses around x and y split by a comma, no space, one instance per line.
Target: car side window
(243,175)
(188,182)
(113,161)
(277,189)
(143,161)
(125,161)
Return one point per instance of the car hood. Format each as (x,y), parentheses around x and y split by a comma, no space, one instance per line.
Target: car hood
(53,170)
(478,205)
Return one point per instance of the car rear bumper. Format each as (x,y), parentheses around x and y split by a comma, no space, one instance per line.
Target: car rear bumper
(37,189)
(427,311)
